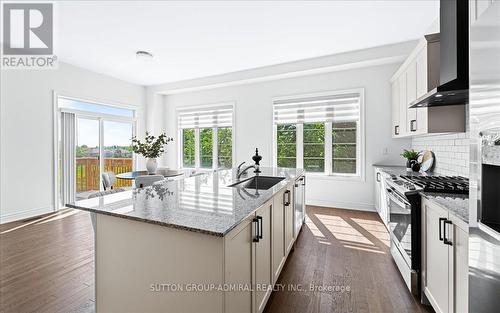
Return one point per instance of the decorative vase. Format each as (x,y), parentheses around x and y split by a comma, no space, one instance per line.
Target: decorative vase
(410,164)
(151,166)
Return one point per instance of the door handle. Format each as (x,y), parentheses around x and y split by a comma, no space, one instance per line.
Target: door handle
(378,177)
(441,238)
(446,241)
(396,130)
(259,219)
(413,122)
(286,198)
(256,225)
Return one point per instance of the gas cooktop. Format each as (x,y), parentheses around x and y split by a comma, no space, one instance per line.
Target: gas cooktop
(444,184)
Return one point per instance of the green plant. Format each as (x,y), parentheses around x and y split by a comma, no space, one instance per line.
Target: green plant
(410,154)
(152,147)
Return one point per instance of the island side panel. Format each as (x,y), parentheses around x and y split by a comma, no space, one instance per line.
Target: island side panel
(132,257)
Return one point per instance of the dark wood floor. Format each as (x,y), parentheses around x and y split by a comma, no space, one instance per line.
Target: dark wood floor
(46,265)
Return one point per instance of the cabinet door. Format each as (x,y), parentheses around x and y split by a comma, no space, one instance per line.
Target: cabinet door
(378,179)
(403,107)
(396,129)
(263,273)
(278,241)
(422,90)
(239,266)
(436,286)
(459,284)
(384,208)
(289,211)
(411,95)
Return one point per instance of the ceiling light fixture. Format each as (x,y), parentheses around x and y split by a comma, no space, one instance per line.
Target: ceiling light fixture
(143,55)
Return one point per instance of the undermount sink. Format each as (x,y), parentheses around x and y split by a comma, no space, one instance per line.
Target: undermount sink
(258,182)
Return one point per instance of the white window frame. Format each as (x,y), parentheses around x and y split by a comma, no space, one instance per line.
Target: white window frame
(360,139)
(56,111)
(215,146)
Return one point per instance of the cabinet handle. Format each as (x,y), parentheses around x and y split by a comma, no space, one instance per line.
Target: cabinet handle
(440,229)
(286,198)
(446,241)
(256,223)
(412,123)
(396,130)
(259,219)
(378,177)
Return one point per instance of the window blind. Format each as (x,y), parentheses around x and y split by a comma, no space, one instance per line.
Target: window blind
(331,108)
(216,116)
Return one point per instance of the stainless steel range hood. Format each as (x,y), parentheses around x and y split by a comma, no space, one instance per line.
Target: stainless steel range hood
(453,62)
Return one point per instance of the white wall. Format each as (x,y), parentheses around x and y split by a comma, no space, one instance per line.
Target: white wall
(253,125)
(26,167)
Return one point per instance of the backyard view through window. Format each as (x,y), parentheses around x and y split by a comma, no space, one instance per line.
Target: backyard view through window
(225,147)
(188,147)
(206,147)
(314,147)
(320,134)
(206,134)
(344,147)
(287,145)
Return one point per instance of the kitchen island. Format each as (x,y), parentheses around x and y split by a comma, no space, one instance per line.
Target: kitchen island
(193,245)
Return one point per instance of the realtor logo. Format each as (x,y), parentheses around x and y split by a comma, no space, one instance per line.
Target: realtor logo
(28,35)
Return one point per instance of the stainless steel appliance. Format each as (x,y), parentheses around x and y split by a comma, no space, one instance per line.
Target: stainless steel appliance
(484,210)
(404,218)
(299,204)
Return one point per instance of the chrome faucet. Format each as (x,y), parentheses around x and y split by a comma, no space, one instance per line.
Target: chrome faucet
(244,171)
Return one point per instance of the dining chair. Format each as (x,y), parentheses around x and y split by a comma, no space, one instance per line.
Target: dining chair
(147,180)
(108,180)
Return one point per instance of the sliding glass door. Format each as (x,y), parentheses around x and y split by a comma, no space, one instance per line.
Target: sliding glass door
(87,156)
(117,153)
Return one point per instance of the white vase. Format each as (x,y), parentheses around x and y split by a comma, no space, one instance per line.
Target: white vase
(151,166)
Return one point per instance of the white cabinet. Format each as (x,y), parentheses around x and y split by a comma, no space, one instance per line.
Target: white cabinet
(289,222)
(278,234)
(445,259)
(381,195)
(414,79)
(396,129)
(238,263)
(263,271)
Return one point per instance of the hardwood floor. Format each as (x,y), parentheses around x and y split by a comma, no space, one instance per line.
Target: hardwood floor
(348,249)
(46,265)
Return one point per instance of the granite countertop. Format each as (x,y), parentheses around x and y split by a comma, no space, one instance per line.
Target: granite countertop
(201,203)
(456,204)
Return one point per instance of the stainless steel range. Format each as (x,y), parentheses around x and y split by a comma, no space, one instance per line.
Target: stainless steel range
(404,218)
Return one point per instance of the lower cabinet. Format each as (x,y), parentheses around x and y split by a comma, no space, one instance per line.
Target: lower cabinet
(381,195)
(444,259)
(255,252)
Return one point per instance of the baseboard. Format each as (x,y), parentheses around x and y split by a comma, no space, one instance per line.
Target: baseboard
(22,215)
(343,205)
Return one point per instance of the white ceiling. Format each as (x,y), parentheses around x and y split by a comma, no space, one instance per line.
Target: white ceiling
(203,38)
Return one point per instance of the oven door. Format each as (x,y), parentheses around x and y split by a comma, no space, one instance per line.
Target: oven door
(400,227)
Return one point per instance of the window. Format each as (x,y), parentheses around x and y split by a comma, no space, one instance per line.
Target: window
(207,136)
(320,133)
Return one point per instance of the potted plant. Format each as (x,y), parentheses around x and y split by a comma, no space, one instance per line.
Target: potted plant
(411,157)
(152,148)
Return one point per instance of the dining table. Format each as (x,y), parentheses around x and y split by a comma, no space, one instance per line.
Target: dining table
(165,172)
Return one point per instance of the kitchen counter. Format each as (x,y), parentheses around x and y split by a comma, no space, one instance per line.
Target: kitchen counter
(456,204)
(202,203)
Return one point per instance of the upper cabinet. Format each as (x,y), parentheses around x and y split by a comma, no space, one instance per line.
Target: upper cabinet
(418,75)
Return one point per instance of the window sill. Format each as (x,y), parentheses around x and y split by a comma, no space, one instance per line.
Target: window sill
(350,178)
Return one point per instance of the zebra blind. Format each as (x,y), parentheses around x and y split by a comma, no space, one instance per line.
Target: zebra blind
(331,108)
(206,117)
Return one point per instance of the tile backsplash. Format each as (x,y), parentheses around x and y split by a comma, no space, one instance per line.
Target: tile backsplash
(451,151)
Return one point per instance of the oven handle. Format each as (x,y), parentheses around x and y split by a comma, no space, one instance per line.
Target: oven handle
(398,201)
